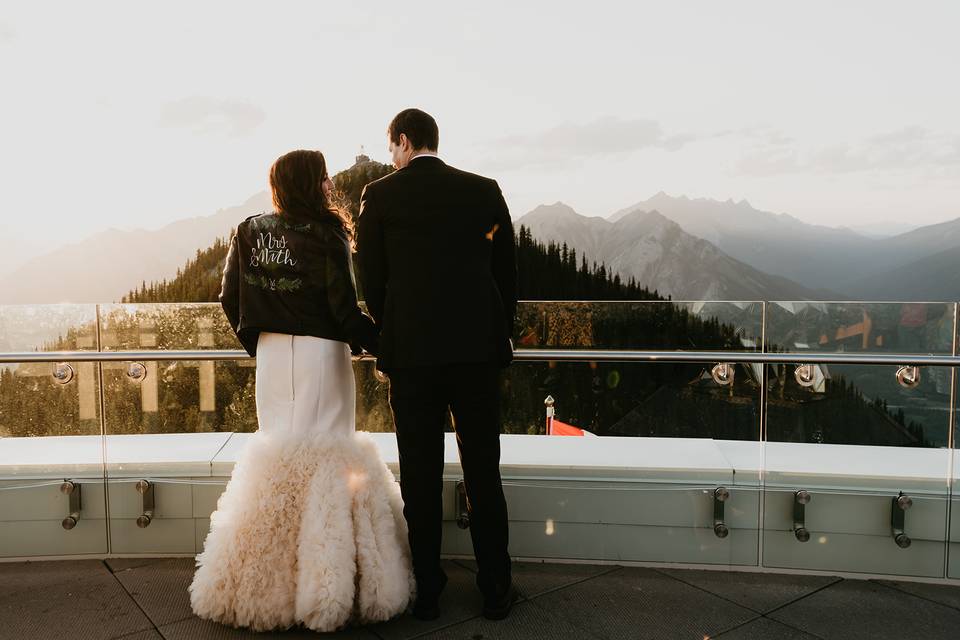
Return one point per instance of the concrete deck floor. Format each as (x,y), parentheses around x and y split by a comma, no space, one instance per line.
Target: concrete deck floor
(146,599)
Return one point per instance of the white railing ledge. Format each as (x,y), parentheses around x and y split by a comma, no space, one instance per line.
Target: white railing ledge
(652,460)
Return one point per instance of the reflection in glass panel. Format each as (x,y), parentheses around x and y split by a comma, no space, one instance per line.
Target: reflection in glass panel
(61,327)
(639,325)
(882,327)
(165,326)
(858,404)
(34,403)
(666,400)
(44,398)
(180,396)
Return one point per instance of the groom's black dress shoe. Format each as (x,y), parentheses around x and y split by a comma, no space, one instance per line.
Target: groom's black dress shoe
(428,608)
(498,607)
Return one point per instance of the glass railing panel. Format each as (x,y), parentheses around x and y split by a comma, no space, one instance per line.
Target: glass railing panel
(953,550)
(179,397)
(663,325)
(50,436)
(660,439)
(852,438)
(166,421)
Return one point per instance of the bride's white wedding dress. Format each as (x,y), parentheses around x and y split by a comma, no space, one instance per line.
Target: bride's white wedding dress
(310,527)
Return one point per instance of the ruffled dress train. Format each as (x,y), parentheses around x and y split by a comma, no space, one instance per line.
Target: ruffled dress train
(309,529)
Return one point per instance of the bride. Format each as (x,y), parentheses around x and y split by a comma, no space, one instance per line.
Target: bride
(310,527)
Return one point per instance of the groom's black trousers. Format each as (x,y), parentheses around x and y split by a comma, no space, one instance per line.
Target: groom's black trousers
(420,398)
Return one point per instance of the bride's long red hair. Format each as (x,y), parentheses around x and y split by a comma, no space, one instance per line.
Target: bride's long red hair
(295,185)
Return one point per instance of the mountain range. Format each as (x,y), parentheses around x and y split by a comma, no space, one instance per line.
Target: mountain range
(835,263)
(105,266)
(661,255)
(682,247)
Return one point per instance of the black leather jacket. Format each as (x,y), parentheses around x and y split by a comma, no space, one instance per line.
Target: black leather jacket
(293,273)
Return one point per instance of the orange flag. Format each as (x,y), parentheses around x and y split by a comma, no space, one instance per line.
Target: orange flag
(557,428)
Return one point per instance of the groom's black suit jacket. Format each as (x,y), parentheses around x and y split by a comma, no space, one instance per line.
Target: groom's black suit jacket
(435,251)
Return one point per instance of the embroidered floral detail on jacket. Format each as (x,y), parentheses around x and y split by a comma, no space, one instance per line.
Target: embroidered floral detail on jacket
(273,284)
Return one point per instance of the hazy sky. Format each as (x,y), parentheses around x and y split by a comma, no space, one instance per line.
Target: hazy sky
(133,115)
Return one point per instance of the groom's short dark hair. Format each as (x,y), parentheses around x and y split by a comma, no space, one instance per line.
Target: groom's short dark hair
(420,128)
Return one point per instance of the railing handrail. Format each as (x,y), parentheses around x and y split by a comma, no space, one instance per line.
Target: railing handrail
(523,355)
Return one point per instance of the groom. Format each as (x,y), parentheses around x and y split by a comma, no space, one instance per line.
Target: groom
(436,256)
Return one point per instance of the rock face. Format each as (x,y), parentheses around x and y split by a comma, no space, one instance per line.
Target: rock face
(661,255)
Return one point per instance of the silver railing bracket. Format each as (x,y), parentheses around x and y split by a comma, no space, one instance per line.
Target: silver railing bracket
(898,518)
(804,375)
(72,489)
(723,373)
(147,503)
(908,376)
(137,371)
(801,499)
(63,373)
(720,528)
